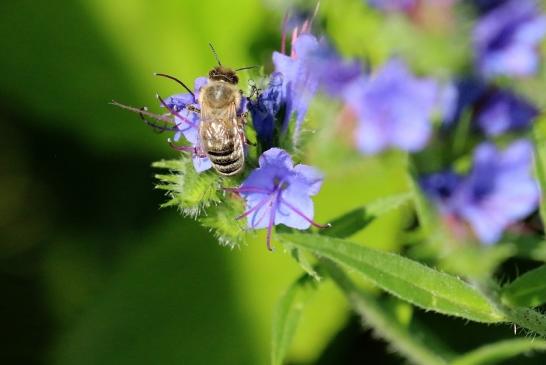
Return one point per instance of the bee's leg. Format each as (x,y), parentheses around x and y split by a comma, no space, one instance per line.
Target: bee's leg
(192,108)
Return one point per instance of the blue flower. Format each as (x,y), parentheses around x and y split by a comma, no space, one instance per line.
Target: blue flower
(494,111)
(506,39)
(313,64)
(393,109)
(300,80)
(503,111)
(278,192)
(467,92)
(187,123)
(498,191)
(440,187)
(265,107)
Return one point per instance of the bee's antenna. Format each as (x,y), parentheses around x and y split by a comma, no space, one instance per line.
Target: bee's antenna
(215,54)
(176,80)
(246,68)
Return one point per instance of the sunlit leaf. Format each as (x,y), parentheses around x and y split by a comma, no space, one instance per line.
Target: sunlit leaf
(402,277)
(496,352)
(412,341)
(287,315)
(528,290)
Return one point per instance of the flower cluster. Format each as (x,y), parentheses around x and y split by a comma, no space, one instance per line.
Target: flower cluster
(498,191)
(392,108)
(506,38)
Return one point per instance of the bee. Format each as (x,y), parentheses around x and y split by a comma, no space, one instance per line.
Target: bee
(221,131)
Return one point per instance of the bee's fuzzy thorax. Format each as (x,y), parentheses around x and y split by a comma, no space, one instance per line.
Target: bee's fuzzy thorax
(222,73)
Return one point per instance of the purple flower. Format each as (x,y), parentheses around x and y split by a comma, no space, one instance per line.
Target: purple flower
(498,191)
(278,192)
(300,80)
(503,111)
(186,120)
(313,64)
(506,39)
(187,123)
(440,187)
(265,107)
(393,5)
(468,92)
(494,111)
(393,109)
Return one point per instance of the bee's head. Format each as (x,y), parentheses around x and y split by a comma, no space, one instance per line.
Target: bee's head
(221,73)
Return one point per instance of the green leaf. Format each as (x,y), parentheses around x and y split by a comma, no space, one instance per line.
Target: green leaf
(357,219)
(425,213)
(528,290)
(476,261)
(496,352)
(412,341)
(527,318)
(539,135)
(287,315)
(402,277)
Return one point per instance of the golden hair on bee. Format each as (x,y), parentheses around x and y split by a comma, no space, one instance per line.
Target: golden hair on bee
(221,130)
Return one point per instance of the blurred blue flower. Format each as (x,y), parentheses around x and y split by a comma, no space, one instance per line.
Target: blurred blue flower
(279,193)
(313,64)
(502,112)
(300,79)
(265,107)
(494,111)
(485,6)
(468,92)
(440,187)
(393,109)
(498,191)
(393,5)
(506,39)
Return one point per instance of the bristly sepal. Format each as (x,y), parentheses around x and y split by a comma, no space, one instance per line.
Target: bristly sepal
(191,192)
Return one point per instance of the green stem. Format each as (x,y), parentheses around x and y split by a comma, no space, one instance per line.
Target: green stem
(385,324)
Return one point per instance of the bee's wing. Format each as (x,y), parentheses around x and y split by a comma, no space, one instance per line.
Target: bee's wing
(219,128)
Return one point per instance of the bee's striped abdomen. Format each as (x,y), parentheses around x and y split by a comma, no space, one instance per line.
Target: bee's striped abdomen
(229,161)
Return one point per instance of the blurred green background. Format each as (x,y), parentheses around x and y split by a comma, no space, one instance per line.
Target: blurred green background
(91,270)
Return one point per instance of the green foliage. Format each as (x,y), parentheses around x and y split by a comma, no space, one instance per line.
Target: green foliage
(528,290)
(287,314)
(412,341)
(539,134)
(190,191)
(402,277)
(357,219)
(502,350)
(201,196)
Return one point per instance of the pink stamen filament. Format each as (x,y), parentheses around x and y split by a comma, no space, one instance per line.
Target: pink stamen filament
(260,204)
(175,113)
(294,37)
(300,213)
(272,213)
